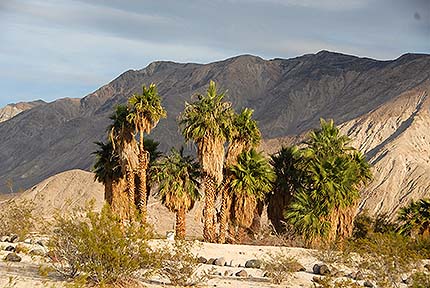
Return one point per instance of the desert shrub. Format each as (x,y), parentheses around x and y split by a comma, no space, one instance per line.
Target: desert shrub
(16,218)
(364,225)
(420,280)
(279,267)
(179,264)
(99,247)
(330,253)
(383,258)
(330,282)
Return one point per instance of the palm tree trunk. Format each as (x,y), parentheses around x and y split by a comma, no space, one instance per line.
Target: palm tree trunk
(141,186)
(225,212)
(180,223)
(130,178)
(209,209)
(108,191)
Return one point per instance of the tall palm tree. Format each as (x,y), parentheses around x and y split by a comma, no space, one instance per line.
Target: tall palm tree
(244,136)
(125,146)
(288,166)
(252,178)
(414,218)
(207,122)
(178,177)
(145,113)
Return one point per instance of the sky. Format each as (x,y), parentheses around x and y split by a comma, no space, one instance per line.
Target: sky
(51,49)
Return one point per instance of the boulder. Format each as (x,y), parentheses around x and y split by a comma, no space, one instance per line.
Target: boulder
(202,260)
(10,248)
(37,252)
(220,261)
(368,284)
(13,257)
(253,263)
(242,273)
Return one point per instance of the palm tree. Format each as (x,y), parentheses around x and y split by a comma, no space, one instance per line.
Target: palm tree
(207,122)
(125,146)
(178,177)
(334,174)
(288,166)
(106,168)
(252,178)
(145,113)
(414,218)
(244,136)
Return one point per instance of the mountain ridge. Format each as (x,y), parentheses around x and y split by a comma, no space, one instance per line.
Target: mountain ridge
(289,97)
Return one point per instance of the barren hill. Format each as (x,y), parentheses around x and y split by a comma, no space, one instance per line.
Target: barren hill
(73,189)
(288,95)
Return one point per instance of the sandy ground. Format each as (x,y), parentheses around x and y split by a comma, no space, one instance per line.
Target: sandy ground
(27,272)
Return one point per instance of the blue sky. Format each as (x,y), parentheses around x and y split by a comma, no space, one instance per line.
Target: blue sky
(52,49)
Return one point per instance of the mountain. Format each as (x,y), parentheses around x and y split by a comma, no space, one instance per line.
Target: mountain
(288,95)
(11,110)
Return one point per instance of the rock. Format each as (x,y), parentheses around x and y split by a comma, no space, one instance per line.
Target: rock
(253,263)
(37,252)
(234,263)
(28,241)
(228,273)
(316,279)
(220,261)
(202,260)
(13,238)
(427,266)
(321,269)
(10,248)
(266,274)
(211,261)
(368,284)
(4,239)
(324,270)
(242,273)
(12,257)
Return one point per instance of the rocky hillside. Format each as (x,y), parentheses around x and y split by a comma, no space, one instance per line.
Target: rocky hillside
(288,95)
(395,139)
(11,110)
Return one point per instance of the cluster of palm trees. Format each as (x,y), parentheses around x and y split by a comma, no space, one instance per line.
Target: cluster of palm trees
(320,184)
(122,162)
(314,188)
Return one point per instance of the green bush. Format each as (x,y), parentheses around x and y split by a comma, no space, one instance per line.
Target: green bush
(100,248)
(16,218)
(279,267)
